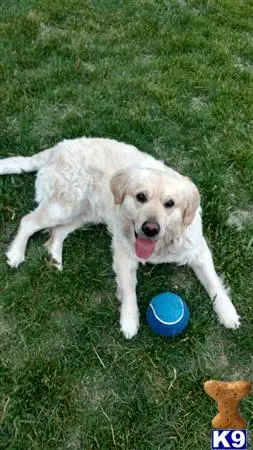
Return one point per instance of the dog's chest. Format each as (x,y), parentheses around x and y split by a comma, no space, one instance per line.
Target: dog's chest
(180,253)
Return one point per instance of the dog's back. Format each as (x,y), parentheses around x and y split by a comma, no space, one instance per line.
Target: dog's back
(75,168)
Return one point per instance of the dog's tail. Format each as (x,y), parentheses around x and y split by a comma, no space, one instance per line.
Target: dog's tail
(19,164)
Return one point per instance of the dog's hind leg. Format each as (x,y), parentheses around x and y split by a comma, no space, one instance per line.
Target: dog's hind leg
(55,243)
(46,215)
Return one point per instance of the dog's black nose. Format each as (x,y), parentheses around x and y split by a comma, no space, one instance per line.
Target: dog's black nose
(150,229)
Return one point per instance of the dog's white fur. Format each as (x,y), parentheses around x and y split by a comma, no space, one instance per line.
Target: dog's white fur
(92,180)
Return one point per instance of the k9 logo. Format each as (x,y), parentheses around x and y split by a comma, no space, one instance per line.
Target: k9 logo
(229,439)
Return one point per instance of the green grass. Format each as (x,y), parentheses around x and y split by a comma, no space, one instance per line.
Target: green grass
(175,78)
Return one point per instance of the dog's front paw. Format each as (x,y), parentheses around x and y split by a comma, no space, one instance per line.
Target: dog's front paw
(14,257)
(230,321)
(129,325)
(226,312)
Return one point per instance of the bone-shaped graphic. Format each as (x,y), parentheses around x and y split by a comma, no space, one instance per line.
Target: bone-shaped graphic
(228,395)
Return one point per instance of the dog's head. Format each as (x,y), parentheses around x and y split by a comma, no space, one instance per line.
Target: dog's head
(154,204)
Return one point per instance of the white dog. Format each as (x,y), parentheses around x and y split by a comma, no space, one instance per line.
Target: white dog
(152,212)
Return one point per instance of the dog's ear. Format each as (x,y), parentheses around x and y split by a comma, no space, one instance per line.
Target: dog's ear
(192,202)
(118,185)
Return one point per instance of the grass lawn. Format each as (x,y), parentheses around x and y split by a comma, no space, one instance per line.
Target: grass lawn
(174,78)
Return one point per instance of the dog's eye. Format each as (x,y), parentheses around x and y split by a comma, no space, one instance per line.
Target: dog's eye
(141,197)
(169,204)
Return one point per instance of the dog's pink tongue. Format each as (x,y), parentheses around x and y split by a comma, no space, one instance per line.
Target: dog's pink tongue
(144,247)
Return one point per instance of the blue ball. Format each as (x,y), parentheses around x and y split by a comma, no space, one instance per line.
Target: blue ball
(168,314)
